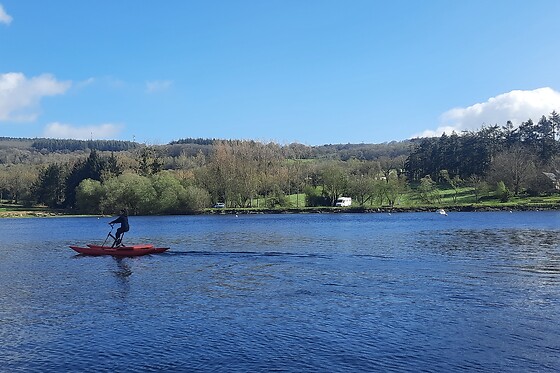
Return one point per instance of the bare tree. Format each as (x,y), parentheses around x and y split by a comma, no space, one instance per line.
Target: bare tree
(478,185)
(335,180)
(362,188)
(516,167)
(19,180)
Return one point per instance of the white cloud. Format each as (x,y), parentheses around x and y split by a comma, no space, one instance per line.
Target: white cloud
(158,86)
(85,83)
(96,132)
(20,96)
(516,106)
(4,17)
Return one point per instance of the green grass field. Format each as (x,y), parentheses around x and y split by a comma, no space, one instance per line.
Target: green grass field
(463,198)
(449,198)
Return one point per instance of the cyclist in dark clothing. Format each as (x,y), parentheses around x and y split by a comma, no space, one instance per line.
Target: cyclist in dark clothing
(123,220)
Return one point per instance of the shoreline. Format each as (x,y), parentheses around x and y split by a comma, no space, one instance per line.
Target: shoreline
(377,210)
(21,213)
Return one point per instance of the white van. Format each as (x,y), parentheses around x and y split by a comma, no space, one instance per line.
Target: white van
(343,202)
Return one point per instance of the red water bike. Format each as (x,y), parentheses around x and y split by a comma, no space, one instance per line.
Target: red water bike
(117,248)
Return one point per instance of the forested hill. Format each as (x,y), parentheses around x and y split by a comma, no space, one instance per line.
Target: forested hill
(65,146)
(12,148)
(196,173)
(393,149)
(343,152)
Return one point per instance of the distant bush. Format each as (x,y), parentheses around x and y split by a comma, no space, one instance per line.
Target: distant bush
(502,192)
(314,199)
(141,195)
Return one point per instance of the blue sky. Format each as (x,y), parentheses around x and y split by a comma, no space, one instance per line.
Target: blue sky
(308,71)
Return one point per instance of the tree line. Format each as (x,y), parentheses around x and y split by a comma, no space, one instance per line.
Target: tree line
(517,156)
(54,145)
(189,175)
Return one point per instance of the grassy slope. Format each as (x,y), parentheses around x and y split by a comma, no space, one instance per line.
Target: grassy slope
(465,200)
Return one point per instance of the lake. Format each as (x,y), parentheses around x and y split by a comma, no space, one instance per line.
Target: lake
(405,292)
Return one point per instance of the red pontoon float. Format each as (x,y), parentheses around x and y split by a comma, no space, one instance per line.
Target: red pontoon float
(133,250)
(118,250)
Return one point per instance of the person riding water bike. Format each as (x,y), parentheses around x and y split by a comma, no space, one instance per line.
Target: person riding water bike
(123,220)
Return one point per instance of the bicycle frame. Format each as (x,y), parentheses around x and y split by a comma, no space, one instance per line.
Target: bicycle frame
(110,234)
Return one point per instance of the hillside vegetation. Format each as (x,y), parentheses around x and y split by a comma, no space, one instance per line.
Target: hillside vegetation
(497,167)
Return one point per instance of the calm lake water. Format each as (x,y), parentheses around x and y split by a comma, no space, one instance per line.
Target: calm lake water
(407,292)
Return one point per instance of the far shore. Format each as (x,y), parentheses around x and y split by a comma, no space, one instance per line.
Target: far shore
(46,213)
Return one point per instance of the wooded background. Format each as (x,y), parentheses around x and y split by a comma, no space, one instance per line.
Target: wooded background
(102,176)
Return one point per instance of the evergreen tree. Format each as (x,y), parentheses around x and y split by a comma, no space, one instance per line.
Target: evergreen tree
(91,168)
(50,186)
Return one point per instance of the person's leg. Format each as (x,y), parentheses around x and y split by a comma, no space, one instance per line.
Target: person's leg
(121,236)
(118,238)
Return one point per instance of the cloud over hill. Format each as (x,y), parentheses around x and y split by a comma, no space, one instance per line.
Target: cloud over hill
(516,106)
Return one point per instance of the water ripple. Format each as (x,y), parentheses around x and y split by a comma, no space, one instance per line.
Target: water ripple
(399,293)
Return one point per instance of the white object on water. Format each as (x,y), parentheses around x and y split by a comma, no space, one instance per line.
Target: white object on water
(442,212)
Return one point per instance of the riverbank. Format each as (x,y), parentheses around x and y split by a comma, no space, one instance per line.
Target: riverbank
(331,210)
(30,214)
(21,212)
(10,210)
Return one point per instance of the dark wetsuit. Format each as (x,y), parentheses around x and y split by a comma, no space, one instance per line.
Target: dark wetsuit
(123,220)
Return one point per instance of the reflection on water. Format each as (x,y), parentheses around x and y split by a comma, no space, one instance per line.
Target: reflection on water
(301,293)
(122,274)
(123,270)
